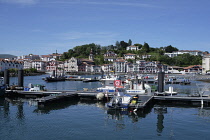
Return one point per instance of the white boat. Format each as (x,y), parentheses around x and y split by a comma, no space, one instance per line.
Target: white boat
(120,101)
(138,88)
(108,84)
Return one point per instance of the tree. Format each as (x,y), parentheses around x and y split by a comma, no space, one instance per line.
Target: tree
(139,45)
(170,49)
(117,44)
(130,60)
(146,47)
(123,45)
(129,42)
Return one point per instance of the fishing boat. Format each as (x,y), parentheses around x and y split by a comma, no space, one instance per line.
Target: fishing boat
(109,83)
(54,78)
(138,87)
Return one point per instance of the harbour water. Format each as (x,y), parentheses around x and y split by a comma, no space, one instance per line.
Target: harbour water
(90,120)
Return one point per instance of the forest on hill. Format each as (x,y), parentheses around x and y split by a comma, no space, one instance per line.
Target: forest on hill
(157,54)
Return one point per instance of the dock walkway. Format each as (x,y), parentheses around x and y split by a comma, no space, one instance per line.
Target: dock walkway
(47,99)
(143,101)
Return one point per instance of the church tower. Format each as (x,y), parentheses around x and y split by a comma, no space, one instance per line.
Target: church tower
(91,57)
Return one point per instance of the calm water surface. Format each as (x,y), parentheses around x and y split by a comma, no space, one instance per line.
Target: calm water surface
(90,120)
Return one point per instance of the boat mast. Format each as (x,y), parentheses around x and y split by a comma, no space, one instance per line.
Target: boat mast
(56,71)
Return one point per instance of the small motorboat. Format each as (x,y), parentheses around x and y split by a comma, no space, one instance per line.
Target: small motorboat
(120,101)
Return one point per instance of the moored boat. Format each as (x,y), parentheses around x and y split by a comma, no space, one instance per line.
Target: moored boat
(120,101)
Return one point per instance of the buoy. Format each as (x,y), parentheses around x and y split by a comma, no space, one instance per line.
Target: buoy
(100,96)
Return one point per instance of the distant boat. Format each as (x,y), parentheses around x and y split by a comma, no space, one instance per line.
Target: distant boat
(91,79)
(54,79)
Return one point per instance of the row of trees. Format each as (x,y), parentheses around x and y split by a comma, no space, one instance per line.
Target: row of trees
(120,49)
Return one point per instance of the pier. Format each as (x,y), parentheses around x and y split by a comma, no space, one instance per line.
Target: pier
(55,97)
(184,100)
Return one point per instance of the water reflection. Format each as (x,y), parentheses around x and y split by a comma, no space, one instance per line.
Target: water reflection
(19,104)
(160,111)
(119,118)
(55,106)
(135,116)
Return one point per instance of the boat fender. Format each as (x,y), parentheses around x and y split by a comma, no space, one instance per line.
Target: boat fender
(100,96)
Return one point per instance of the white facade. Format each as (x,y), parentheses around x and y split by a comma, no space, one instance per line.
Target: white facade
(129,56)
(39,65)
(71,65)
(110,56)
(205,64)
(107,68)
(5,64)
(119,65)
(27,64)
(145,56)
(96,69)
(30,57)
(194,52)
(135,48)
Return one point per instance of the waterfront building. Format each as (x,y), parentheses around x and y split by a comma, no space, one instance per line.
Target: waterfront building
(120,66)
(82,67)
(95,69)
(38,64)
(7,64)
(175,69)
(206,64)
(133,68)
(71,65)
(88,68)
(107,68)
(151,67)
(193,69)
(27,64)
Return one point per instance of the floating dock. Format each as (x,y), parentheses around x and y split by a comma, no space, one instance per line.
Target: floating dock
(184,99)
(56,97)
(143,101)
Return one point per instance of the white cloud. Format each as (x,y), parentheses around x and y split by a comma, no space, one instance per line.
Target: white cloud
(119,3)
(24,2)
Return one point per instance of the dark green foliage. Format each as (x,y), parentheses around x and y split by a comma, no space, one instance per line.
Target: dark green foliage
(123,45)
(139,45)
(129,42)
(170,49)
(146,47)
(157,54)
(31,70)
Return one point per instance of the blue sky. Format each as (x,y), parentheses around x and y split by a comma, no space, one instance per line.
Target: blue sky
(44,26)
